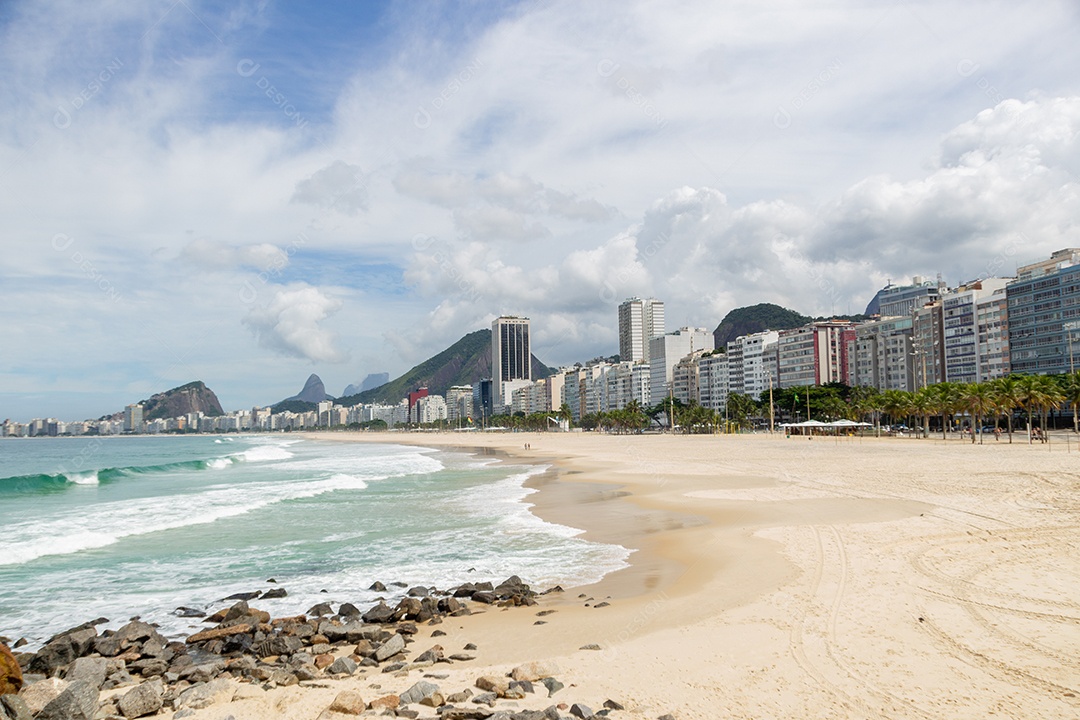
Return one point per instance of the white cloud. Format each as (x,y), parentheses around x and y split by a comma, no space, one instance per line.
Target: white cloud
(213,255)
(289,324)
(338,186)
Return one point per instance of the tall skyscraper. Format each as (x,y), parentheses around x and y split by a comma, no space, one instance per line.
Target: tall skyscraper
(639,322)
(511,357)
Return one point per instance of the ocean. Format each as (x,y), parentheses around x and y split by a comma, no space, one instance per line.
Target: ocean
(118,527)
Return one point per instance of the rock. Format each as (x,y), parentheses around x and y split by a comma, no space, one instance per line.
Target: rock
(278,645)
(274,593)
(432,655)
(493,683)
(581,711)
(15,707)
(470,646)
(534,671)
(135,631)
(377,587)
(612,705)
(485,597)
(283,678)
(391,647)
(220,632)
(523,686)
(41,693)
(418,591)
(553,686)
(188,612)
(666,717)
(590,646)
(418,692)
(460,697)
(320,610)
(457,713)
(214,692)
(348,610)
(78,701)
(348,702)
(381,613)
(141,700)
(394,667)
(91,670)
(387,702)
(407,629)
(204,672)
(342,666)
(244,596)
(486,698)
(462,657)
(11,677)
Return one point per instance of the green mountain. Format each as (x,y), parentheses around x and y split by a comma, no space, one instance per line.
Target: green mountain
(463,363)
(756,318)
(193,397)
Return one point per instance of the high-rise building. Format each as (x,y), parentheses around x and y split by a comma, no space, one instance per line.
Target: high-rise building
(962,336)
(814,354)
(883,354)
(459,402)
(639,322)
(667,350)
(133,419)
(511,356)
(1044,311)
(901,300)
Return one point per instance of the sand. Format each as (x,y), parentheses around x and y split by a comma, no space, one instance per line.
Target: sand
(783,577)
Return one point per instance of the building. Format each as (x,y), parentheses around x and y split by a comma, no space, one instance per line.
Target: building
(511,357)
(430,408)
(413,398)
(483,399)
(713,380)
(901,300)
(928,343)
(752,361)
(992,321)
(814,354)
(639,322)
(685,378)
(1043,315)
(883,354)
(961,333)
(133,419)
(666,351)
(459,403)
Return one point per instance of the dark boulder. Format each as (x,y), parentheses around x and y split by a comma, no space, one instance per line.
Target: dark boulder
(381,613)
(320,610)
(79,701)
(348,610)
(275,593)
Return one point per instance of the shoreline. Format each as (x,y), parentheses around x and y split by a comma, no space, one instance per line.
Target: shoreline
(776,577)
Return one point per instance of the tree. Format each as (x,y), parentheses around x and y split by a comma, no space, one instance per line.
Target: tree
(1070,388)
(979,399)
(922,404)
(1050,395)
(1009,397)
(1028,392)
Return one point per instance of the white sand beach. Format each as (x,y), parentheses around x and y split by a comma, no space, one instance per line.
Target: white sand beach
(783,577)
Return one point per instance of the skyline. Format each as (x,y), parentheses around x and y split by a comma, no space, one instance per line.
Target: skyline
(246,195)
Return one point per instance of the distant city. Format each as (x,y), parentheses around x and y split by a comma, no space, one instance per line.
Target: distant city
(921,334)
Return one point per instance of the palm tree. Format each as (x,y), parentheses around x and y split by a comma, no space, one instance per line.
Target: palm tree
(1009,398)
(922,404)
(979,399)
(1050,396)
(1030,394)
(1070,387)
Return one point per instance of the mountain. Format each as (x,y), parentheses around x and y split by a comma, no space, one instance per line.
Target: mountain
(193,397)
(314,392)
(463,363)
(372,381)
(756,318)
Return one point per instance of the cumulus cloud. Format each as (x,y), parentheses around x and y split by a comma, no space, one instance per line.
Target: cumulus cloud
(338,186)
(289,324)
(222,256)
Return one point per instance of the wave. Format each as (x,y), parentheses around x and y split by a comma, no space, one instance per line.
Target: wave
(44,483)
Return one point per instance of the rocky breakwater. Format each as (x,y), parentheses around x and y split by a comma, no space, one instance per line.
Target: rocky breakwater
(134,671)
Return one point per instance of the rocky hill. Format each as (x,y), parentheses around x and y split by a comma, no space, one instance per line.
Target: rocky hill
(463,363)
(314,392)
(193,397)
(756,318)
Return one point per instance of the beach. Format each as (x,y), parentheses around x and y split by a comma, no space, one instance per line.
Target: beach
(775,577)
(786,577)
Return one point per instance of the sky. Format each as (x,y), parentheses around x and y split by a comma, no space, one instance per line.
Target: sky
(245,193)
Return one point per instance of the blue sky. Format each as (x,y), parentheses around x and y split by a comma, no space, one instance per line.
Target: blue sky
(245,193)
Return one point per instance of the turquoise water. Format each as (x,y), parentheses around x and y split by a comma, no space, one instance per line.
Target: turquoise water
(118,527)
